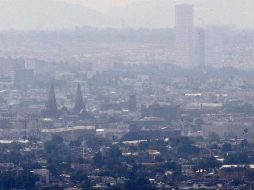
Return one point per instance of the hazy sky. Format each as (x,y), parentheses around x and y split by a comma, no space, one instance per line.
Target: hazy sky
(55,14)
(207,12)
(100,5)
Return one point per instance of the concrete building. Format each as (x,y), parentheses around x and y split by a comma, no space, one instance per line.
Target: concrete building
(184,29)
(199,47)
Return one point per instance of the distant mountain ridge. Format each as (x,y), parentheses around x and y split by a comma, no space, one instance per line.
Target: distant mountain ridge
(58,14)
(145,13)
(48,14)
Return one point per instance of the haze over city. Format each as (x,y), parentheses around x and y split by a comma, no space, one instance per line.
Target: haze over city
(126,94)
(58,14)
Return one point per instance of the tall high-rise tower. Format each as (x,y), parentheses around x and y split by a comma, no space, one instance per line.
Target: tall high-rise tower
(184,29)
(79,103)
(199,46)
(51,107)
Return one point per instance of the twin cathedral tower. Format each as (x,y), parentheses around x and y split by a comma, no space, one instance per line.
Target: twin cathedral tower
(51,106)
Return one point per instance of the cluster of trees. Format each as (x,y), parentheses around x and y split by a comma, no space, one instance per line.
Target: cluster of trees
(14,180)
(184,147)
(58,155)
(111,162)
(140,183)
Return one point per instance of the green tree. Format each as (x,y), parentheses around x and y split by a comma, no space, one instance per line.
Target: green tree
(213,137)
(208,163)
(237,158)
(226,147)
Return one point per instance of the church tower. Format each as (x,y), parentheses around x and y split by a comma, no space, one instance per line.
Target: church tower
(79,103)
(51,107)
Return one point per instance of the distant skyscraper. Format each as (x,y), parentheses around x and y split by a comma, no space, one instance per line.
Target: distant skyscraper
(200,45)
(51,107)
(132,103)
(79,103)
(184,29)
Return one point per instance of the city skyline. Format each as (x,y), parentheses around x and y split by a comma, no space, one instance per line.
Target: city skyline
(126,94)
(59,14)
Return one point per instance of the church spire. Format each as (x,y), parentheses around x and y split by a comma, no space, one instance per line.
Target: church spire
(51,107)
(79,103)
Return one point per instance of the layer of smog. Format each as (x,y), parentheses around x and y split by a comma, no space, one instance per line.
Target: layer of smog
(126,94)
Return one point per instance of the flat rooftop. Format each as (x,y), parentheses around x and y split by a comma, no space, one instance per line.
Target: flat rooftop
(66,129)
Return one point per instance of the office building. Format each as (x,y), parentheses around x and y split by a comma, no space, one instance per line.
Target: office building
(184,29)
